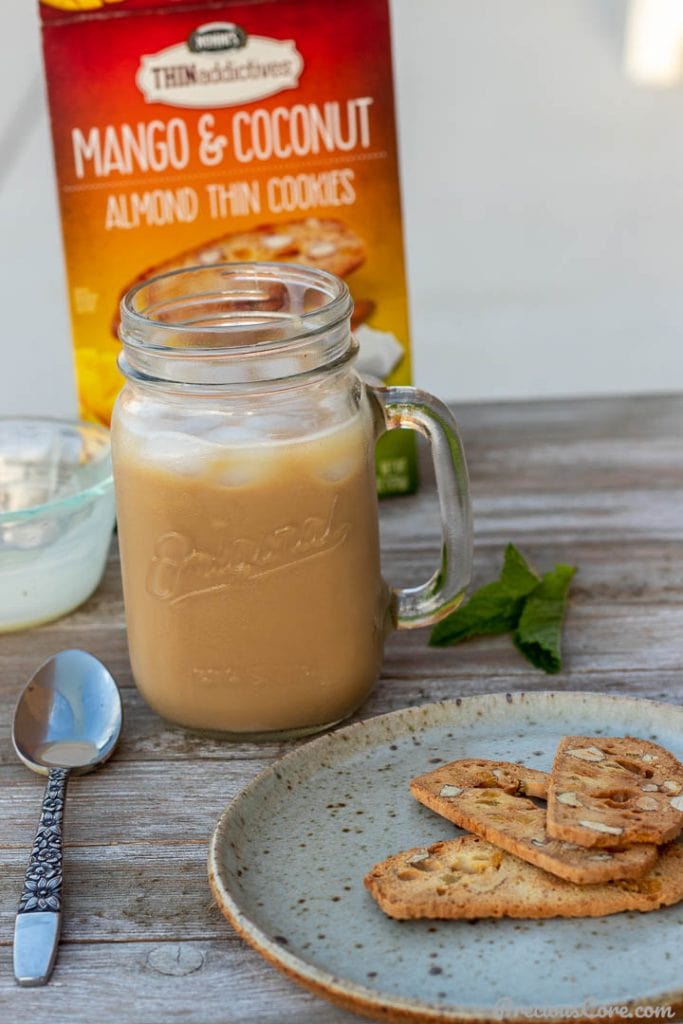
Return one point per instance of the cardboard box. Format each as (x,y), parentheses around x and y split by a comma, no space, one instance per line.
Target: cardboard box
(183,130)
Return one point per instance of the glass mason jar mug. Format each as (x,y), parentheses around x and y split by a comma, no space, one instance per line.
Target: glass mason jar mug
(243,446)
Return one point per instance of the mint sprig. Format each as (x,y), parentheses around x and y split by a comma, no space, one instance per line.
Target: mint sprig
(520,602)
(539,630)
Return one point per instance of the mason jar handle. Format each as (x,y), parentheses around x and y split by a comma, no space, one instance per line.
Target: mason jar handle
(407,408)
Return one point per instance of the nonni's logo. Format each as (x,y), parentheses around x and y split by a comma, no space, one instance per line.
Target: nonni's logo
(217,38)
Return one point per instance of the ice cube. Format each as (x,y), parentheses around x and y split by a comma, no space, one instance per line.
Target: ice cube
(198,425)
(234,434)
(246,466)
(338,469)
(182,453)
(259,428)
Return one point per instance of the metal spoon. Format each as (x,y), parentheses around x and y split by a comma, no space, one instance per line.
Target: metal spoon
(68,719)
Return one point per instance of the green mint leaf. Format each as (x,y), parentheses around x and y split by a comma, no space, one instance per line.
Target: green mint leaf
(517,576)
(539,631)
(494,608)
(490,610)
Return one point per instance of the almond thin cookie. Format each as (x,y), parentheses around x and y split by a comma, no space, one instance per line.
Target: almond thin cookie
(470,878)
(482,797)
(607,791)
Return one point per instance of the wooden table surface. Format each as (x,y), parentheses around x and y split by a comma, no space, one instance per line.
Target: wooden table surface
(598,483)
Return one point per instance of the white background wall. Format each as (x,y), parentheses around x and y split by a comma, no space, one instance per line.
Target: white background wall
(543,195)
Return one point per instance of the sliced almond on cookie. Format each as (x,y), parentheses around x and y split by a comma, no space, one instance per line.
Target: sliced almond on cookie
(571,799)
(586,753)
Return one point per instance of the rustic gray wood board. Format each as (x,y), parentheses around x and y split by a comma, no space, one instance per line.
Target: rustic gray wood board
(595,482)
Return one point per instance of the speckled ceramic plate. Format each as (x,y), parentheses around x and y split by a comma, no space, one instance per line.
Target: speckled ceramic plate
(288,856)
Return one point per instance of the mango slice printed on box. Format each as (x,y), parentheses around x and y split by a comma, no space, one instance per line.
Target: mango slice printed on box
(99,381)
(607,791)
(78,5)
(470,878)
(485,798)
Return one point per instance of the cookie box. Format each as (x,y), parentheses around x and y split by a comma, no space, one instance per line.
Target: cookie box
(201,132)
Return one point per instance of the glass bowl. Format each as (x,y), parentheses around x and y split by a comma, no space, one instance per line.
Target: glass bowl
(56,516)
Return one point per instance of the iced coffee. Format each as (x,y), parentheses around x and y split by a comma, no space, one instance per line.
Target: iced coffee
(251,575)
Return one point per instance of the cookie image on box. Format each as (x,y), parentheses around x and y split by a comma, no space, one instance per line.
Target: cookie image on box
(323,243)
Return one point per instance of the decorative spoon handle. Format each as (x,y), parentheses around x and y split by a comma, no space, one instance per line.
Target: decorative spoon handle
(39,918)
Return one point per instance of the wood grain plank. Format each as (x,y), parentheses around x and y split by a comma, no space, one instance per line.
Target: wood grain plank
(125,892)
(621,515)
(127,802)
(208,981)
(644,571)
(642,417)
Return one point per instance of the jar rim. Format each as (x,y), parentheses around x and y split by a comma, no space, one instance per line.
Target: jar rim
(337,309)
(230,324)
